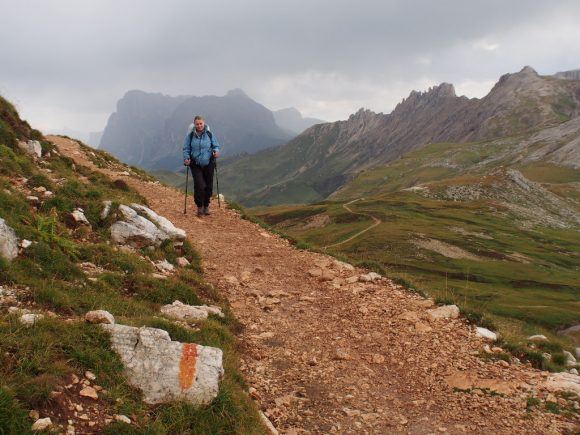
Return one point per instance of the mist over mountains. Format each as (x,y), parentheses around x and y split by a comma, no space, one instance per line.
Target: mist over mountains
(147,129)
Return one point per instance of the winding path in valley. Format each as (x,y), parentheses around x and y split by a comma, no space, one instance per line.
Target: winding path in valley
(338,357)
(376,221)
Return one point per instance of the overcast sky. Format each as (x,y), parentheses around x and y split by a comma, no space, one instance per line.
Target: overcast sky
(66,63)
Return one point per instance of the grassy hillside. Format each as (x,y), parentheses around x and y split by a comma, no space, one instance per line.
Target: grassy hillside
(468,223)
(50,277)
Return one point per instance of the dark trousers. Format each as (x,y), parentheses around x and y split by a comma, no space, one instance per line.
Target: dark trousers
(202,183)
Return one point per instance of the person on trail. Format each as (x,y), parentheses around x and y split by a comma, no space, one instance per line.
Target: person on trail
(200,149)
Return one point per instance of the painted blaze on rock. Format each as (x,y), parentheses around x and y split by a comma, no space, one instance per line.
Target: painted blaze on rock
(167,370)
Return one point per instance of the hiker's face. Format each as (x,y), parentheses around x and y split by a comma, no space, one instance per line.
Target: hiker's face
(199,124)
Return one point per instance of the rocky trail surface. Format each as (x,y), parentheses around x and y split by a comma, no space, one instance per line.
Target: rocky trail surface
(325,350)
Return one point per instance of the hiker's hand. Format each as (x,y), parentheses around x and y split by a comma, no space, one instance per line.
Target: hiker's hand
(186,162)
(216,154)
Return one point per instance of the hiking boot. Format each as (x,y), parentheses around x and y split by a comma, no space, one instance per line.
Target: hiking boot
(206,210)
(200,211)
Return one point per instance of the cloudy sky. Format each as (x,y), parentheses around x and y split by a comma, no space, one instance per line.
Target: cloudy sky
(65,63)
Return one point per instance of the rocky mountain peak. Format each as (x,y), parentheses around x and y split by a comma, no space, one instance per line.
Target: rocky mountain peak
(363,115)
(237,92)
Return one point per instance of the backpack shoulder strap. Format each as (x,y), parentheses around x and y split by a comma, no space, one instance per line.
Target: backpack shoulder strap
(210,136)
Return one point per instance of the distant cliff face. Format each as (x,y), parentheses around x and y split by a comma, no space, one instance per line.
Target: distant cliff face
(291,120)
(573,74)
(147,130)
(321,159)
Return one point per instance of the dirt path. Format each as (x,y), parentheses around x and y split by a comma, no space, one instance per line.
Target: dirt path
(348,358)
(376,221)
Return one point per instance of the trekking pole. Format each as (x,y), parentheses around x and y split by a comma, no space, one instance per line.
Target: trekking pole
(217,182)
(186,183)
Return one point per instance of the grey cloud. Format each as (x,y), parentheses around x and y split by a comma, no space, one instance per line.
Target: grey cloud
(324,57)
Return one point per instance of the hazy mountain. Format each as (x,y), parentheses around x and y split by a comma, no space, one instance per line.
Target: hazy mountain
(291,120)
(324,157)
(573,74)
(147,130)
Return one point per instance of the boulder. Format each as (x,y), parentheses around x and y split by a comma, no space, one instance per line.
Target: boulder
(135,230)
(106,209)
(485,333)
(570,359)
(164,266)
(538,338)
(369,277)
(563,382)
(122,419)
(100,316)
(29,319)
(166,370)
(42,424)
(180,311)
(79,218)
(32,147)
(8,241)
(163,223)
(182,262)
(444,312)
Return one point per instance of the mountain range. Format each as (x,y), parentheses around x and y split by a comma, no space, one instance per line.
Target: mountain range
(147,129)
(323,158)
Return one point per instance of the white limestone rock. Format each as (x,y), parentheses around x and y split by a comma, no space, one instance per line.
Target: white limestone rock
(485,333)
(180,311)
(167,370)
(163,223)
(538,338)
(41,424)
(32,147)
(563,382)
(8,241)
(135,230)
(164,266)
(106,209)
(100,316)
(570,359)
(182,262)
(30,319)
(78,215)
(444,312)
(369,277)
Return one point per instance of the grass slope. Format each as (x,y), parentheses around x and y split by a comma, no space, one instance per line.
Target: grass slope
(48,278)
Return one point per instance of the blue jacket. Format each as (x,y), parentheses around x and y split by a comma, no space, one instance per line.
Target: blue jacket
(199,148)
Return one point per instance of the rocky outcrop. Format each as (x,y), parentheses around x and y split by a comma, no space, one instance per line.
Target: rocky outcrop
(8,241)
(166,370)
(32,147)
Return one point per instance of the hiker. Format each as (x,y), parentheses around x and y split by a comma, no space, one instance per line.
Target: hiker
(200,149)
